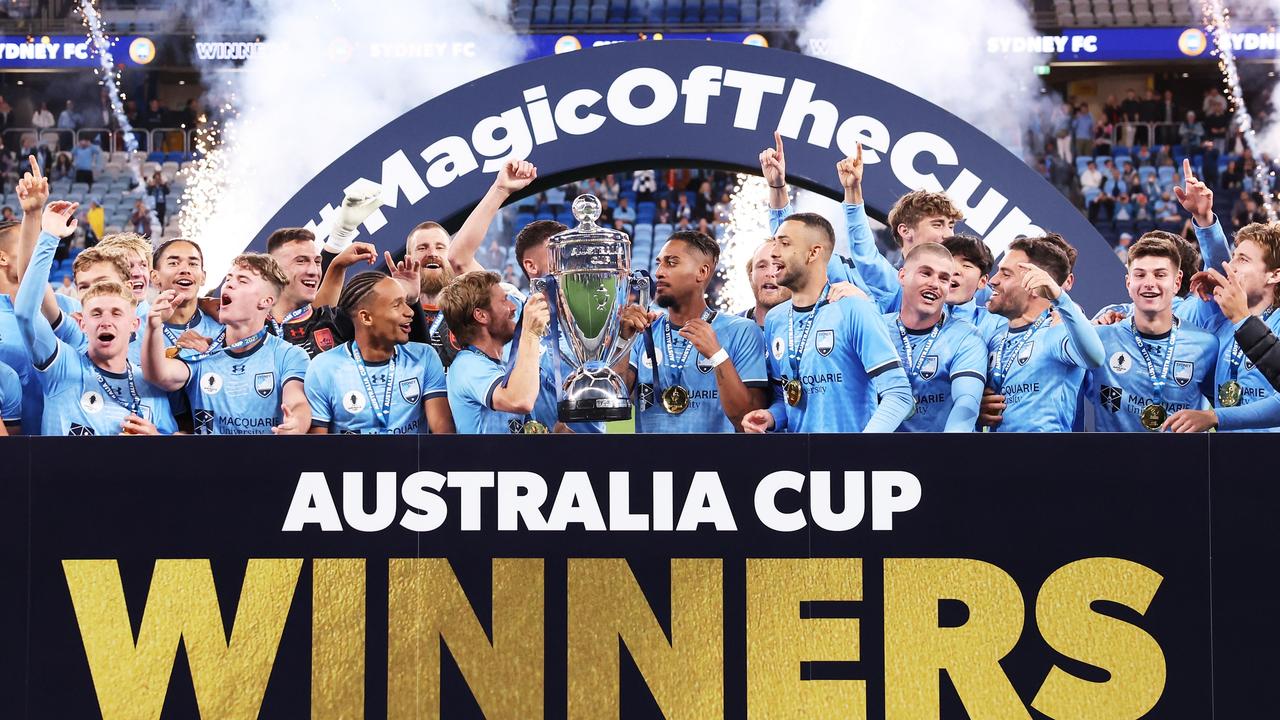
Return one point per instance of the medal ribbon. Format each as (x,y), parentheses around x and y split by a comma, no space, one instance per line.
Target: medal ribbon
(135,405)
(913,366)
(1237,353)
(294,315)
(381,410)
(1157,382)
(677,368)
(217,348)
(796,351)
(435,325)
(1003,363)
(173,335)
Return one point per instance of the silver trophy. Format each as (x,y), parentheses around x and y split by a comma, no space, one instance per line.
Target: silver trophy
(592,281)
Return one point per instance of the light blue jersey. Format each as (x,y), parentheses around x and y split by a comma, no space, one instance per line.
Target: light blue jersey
(13,354)
(240,393)
(1039,368)
(944,363)
(680,364)
(1122,387)
(82,399)
(846,363)
(10,396)
(473,377)
(354,397)
(988,323)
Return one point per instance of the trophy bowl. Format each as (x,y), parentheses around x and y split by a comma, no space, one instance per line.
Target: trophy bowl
(589,283)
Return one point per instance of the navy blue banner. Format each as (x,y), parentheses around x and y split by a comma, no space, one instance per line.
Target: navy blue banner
(693,104)
(636,577)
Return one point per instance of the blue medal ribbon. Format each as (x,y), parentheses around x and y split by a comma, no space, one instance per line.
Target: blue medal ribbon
(294,315)
(217,347)
(173,334)
(1003,362)
(796,351)
(1237,353)
(913,365)
(381,410)
(677,368)
(1157,381)
(134,406)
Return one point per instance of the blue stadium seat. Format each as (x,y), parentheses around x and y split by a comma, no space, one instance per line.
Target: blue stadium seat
(662,231)
(643,231)
(1145,172)
(581,15)
(1164,175)
(750,13)
(674,11)
(1090,194)
(1101,160)
(523,219)
(1082,162)
(599,14)
(545,215)
(155,157)
(560,14)
(542,15)
(175,157)
(1120,160)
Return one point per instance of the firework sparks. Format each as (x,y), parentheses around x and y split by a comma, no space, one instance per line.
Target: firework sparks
(748,227)
(109,77)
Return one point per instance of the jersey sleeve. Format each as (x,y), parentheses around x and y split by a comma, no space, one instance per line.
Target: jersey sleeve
(872,343)
(1214,250)
(319,392)
(10,395)
(880,275)
(776,217)
(68,331)
(41,343)
(1081,347)
(746,348)
(970,359)
(293,364)
(433,379)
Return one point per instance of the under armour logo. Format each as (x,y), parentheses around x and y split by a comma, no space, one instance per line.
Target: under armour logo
(237,369)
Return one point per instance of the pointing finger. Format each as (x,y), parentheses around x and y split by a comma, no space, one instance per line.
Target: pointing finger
(1186,169)
(857,158)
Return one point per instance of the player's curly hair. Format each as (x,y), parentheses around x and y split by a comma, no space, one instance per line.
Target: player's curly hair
(918,205)
(1189,260)
(1267,236)
(94,255)
(266,267)
(129,241)
(155,257)
(111,289)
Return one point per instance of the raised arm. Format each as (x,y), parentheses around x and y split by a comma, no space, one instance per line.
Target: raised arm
(1082,334)
(33,193)
(520,392)
(514,176)
(773,165)
(878,272)
(1197,199)
(58,221)
(335,275)
(168,374)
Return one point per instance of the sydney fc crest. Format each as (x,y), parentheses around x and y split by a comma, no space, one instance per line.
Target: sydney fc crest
(264,384)
(929,367)
(410,390)
(1024,355)
(824,341)
(1183,371)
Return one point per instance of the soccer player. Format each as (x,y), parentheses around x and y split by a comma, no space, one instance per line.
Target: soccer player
(10,401)
(296,317)
(97,391)
(533,254)
(1243,398)
(485,396)
(178,265)
(252,384)
(428,246)
(973,266)
(917,217)
(698,371)
(1156,363)
(833,364)
(379,383)
(1037,365)
(763,274)
(944,357)
(139,251)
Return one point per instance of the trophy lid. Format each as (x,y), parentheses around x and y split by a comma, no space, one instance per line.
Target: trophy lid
(586,209)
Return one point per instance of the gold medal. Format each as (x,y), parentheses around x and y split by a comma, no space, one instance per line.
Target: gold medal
(533,427)
(1153,416)
(794,392)
(1229,394)
(675,399)
(172,351)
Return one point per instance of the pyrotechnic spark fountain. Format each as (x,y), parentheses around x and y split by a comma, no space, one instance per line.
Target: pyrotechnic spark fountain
(109,76)
(748,227)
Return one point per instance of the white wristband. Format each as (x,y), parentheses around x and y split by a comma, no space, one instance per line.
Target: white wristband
(718,358)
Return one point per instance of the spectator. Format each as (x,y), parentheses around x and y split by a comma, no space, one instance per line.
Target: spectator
(1209,166)
(1164,158)
(1082,126)
(1167,116)
(1111,111)
(1233,178)
(644,184)
(1211,100)
(705,207)
(44,156)
(67,119)
(1167,209)
(153,116)
(189,115)
(86,157)
(663,212)
(1130,112)
(1122,247)
(555,197)
(66,288)
(140,220)
(1123,208)
(1191,132)
(1148,112)
(6,214)
(42,119)
(1102,138)
(1091,178)
(724,209)
(62,166)
(611,189)
(1143,157)
(1142,211)
(624,211)
(95,221)
(1215,128)
(682,223)
(1062,131)
(6,114)
(683,211)
(158,189)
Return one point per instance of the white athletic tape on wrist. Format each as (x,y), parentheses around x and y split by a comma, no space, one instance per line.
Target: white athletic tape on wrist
(718,358)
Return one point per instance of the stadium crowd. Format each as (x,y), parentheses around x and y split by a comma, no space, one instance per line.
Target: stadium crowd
(947,341)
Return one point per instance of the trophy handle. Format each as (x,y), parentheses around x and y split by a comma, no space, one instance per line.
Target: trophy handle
(642,284)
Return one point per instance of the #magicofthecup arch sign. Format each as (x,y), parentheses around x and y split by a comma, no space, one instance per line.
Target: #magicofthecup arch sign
(694,104)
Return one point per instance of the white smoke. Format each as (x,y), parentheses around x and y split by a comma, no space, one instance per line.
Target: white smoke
(941,51)
(335,72)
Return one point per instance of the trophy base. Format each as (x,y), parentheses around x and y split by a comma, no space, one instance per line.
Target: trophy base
(594,393)
(593,411)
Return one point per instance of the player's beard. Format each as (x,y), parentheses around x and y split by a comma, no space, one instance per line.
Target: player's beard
(433,281)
